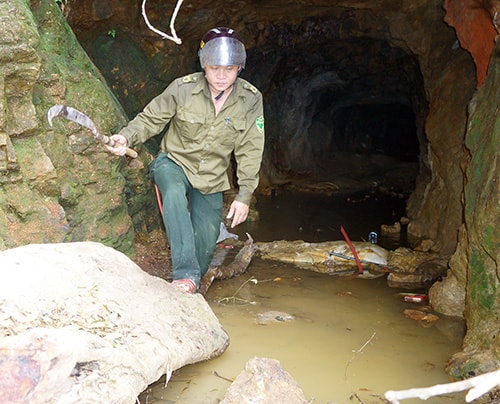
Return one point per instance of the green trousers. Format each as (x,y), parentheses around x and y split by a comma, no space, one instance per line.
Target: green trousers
(192,219)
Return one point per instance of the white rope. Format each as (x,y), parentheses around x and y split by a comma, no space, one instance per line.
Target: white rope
(172,37)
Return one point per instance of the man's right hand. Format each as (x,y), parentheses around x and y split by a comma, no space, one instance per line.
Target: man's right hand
(120,146)
(238,211)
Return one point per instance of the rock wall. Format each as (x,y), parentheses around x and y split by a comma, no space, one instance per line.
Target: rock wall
(477,259)
(474,23)
(57,184)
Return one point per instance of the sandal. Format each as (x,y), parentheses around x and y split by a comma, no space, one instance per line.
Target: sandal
(186,285)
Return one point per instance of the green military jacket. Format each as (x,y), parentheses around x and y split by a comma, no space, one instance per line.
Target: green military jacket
(202,142)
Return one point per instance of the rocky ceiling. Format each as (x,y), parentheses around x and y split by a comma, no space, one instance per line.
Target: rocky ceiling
(381,76)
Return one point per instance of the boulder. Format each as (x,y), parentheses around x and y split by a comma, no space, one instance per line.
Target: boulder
(264,381)
(415,269)
(80,322)
(448,296)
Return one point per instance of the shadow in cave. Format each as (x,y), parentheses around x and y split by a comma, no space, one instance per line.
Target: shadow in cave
(348,142)
(366,164)
(344,116)
(373,144)
(347,116)
(388,129)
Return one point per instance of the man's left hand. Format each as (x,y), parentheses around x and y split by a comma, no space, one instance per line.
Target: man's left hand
(238,212)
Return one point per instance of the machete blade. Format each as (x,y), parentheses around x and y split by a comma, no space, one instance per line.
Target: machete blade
(74,115)
(71,114)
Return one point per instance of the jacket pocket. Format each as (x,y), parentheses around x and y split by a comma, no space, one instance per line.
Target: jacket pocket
(233,128)
(189,125)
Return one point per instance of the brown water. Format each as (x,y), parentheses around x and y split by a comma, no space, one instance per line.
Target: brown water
(349,337)
(349,341)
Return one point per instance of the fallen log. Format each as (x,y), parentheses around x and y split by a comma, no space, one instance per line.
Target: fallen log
(235,268)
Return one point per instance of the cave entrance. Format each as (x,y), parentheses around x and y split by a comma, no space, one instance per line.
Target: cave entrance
(345,141)
(348,111)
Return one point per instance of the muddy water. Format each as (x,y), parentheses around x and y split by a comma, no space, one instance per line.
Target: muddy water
(342,340)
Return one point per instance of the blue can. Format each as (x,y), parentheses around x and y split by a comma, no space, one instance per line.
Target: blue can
(372,237)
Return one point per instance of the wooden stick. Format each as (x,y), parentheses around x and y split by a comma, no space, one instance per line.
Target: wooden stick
(478,386)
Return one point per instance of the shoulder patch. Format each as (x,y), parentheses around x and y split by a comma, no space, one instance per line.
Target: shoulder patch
(189,79)
(259,123)
(251,88)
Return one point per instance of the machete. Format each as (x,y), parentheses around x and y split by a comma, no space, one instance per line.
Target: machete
(74,115)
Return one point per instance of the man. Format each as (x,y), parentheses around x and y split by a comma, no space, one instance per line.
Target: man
(211,115)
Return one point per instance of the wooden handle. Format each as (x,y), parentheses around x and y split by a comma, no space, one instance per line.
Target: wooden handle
(131,153)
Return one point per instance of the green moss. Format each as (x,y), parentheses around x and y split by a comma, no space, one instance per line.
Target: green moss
(70,192)
(4,223)
(490,238)
(56,36)
(466,371)
(18,13)
(480,284)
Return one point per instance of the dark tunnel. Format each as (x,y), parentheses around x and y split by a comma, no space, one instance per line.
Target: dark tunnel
(329,90)
(379,128)
(327,97)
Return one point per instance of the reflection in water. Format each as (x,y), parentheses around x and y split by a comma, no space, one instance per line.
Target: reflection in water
(317,218)
(349,341)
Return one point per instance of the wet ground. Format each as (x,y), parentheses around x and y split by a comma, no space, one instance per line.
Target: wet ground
(343,340)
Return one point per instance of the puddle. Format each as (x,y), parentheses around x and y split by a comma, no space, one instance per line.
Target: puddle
(348,341)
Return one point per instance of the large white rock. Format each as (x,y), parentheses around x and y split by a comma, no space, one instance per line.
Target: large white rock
(80,322)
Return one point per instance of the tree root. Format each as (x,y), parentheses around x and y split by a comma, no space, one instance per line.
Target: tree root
(235,268)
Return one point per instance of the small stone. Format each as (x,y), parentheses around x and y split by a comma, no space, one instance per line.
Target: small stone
(390,229)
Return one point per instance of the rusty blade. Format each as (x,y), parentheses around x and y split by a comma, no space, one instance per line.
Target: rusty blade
(74,115)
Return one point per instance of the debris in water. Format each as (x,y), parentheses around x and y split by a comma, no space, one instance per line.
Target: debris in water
(273,317)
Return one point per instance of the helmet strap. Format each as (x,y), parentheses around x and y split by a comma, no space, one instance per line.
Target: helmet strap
(219,96)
